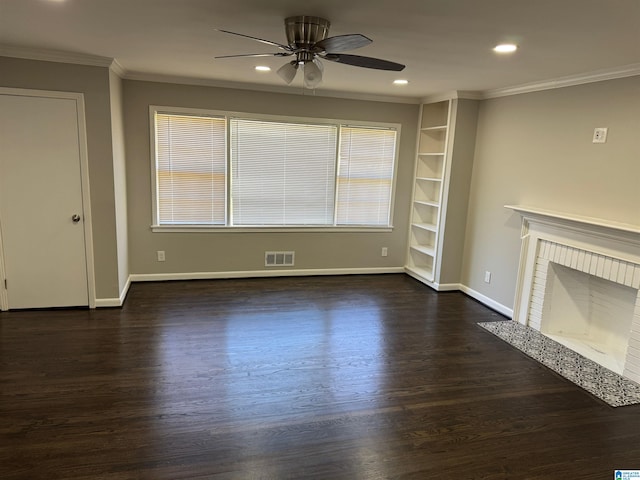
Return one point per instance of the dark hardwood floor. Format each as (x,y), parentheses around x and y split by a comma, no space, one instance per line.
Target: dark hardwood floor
(352,377)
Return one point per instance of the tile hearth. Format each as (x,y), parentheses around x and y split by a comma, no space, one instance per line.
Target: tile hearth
(601,382)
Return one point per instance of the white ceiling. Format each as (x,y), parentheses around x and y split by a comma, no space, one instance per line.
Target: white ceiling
(445,44)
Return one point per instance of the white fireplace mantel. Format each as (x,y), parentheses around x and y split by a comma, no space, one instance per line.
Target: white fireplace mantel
(607,238)
(598,247)
(569,220)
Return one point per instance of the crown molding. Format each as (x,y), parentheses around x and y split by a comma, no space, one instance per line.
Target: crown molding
(470,95)
(452,95)
(60,56)
(113,64)
(118,69)
(295,90)
(568,81)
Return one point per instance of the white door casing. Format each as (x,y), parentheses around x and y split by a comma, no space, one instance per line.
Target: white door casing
(46,257)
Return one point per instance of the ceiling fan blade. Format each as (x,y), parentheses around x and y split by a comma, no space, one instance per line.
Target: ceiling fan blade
(342,43)
(277,54)
(366,62)
(261,40)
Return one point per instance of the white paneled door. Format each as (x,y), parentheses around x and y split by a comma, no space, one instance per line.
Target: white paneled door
(41,203)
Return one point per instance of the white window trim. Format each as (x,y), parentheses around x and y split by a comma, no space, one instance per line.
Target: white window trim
(197,228)
(268,229)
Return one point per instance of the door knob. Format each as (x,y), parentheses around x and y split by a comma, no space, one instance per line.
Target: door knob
(75,218)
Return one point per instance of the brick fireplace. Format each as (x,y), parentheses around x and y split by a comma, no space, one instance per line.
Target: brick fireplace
(579,284)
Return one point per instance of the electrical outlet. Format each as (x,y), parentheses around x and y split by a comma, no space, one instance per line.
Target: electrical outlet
(161,257)
(384,252)
(487,276)
(600,135)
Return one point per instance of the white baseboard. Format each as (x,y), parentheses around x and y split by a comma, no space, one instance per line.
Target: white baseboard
(498,307)
(125,290)
(451,287)
(108,302)
(115,302)
(439,287)
(159,277)
(448,287)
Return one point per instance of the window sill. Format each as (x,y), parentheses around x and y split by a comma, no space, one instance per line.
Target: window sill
(293,229)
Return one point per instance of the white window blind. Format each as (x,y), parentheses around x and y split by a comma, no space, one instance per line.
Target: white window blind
(190,169)
(282,173)
(365,176)
(222,169)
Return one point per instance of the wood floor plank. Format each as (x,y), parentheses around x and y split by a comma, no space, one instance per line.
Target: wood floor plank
(348,377)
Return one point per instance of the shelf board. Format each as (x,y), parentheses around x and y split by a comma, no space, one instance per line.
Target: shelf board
(428,203)
(431,227)
(434,128)
(424,249)
(425,273)
(430,154)
(429,179)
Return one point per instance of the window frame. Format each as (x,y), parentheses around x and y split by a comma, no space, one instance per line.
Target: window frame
(228,115)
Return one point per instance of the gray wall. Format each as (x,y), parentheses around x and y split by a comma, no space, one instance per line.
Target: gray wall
(462,145)
(535,149)
(93,82)
(232,252)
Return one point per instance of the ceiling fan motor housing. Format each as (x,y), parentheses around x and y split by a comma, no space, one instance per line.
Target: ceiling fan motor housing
(304,31)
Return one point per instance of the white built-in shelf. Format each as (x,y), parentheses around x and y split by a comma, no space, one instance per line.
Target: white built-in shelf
(425,273)
(428,186)
(429,179)
(426,249)
(428,203)
(430,227)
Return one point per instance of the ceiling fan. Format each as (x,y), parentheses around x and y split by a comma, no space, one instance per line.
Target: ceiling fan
(308,41)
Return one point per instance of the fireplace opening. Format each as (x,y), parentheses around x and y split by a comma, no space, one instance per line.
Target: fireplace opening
(588,314)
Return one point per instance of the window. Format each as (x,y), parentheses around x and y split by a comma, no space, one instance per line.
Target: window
(365,176)
(282,173)
(190,169)
(219,169)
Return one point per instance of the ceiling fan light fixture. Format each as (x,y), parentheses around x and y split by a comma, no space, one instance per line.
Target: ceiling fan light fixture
(263,68)
(400,81)
(288,71)
(312,74)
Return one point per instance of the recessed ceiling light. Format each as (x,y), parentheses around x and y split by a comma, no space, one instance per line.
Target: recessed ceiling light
(263,68)
(505,48)
(400,81)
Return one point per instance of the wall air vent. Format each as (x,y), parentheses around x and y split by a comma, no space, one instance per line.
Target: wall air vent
(279,259)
